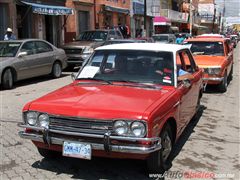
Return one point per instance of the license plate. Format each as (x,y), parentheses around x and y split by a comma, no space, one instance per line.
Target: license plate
(77,150)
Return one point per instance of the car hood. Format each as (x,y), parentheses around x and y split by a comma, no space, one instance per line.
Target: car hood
(82,44)
(101,101)
(206,61)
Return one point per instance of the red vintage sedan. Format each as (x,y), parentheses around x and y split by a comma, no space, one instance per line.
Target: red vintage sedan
(127,101)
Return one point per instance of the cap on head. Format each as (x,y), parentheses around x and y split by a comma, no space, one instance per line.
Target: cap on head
(9,30)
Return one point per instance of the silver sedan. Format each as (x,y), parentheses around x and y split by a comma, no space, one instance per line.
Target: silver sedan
(22,59)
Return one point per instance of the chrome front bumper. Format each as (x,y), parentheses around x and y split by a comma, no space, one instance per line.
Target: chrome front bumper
(105,146)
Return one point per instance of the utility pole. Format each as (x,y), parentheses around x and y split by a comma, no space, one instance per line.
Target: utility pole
(145,18)
(214,17)
(190,18)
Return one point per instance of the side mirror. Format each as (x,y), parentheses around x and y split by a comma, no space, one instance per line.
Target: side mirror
(22,54)
(186,83)
(73,76)
(197,68)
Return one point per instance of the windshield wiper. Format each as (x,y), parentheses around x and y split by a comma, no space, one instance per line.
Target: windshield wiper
(136,84)
(94,79)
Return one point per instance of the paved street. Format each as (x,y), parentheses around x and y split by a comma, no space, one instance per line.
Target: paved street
(210,144)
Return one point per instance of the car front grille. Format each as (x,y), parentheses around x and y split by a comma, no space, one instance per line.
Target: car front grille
(73,51)
(80,125)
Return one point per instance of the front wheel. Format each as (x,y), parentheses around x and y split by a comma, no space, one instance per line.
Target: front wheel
(224,84)
(56,70)
(7,79)
(159,160)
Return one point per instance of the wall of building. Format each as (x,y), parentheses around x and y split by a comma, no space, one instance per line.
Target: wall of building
(8,12)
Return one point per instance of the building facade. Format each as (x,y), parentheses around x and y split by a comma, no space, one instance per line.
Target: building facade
(96,14)
(35,19)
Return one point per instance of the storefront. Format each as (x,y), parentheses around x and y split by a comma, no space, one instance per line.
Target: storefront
(7,17)
(82,20)
(111,16)
(162,25)
(42,21)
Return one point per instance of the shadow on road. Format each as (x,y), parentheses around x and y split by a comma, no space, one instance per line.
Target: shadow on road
(186,134)
(97,168)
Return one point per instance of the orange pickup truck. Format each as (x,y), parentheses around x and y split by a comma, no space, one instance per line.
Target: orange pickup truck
(215,57)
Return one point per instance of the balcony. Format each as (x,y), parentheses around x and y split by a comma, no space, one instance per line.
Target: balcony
(174,16)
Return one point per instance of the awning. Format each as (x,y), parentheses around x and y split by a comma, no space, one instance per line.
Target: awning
(115,9)
(161,20)
(49,9)
(199,26)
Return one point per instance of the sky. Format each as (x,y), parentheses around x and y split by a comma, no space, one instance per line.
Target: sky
(232,7)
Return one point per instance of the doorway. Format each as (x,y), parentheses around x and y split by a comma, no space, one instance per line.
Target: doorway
(52,29)
(83,21)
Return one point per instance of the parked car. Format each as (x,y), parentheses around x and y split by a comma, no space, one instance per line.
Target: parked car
(22,59)
(121,41)
(215,57)
(164,38)
(234,40)
(147,39)
(84,45)
(128,101)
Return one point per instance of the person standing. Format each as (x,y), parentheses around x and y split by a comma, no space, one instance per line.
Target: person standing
(9,35)
(180,39)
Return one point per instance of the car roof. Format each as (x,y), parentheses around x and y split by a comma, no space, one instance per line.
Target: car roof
(163,34)
(125,40)
(206,39)
(144,47)
(23,40)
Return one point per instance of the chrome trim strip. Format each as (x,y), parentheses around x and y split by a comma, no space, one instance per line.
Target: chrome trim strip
(133,139)
(114,148)
(213,79)
(177,103)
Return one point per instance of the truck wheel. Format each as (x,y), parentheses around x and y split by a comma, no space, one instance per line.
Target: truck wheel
(56,70)
(48,153)
(7,79)
(224,84)
(159,160)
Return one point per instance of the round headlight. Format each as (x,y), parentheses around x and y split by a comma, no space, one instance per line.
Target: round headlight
(31,118)
(138,129)
(121,127)
(43,120)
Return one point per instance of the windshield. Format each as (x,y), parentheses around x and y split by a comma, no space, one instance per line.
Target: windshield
(131,66)
(93,36)
(160,38)
(207,48)
(9,49)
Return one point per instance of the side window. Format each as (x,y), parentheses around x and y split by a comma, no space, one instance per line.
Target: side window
(180,63)
(119,35)
(188,61)
(29,47)
(111,34)
(43,47)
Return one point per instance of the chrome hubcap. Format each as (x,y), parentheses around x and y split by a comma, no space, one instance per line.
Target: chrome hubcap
(57,70)
(8,77)
(166,147)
